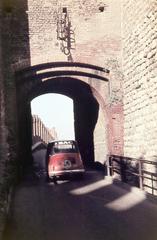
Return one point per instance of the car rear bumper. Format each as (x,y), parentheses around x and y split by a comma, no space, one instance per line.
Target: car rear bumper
(66,172)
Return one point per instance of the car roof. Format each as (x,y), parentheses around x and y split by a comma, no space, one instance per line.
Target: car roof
(62,141)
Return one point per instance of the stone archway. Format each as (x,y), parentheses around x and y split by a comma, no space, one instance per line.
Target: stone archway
(74,84)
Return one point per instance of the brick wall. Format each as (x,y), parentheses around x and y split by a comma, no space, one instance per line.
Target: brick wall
(140,77)
(40,132)
(4,190)
(13,47)
(93,44)
(97,41)
(140,80)
(29,37)
(100,138)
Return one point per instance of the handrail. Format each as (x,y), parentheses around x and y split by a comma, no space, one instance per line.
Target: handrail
(123,167)
(135,159)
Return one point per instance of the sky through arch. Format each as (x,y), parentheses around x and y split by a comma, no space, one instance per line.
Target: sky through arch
(55,110)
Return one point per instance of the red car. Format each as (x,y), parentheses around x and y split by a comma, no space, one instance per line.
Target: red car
(63,159)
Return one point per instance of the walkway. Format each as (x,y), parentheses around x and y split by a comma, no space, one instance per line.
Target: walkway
(89,209)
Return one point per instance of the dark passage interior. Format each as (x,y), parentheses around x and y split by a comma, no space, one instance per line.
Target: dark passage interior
(86,110)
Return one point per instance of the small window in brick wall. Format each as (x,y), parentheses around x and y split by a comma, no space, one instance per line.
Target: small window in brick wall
(102,7)
(64,10)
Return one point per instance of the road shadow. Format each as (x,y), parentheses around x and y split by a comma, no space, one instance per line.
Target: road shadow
(93,207)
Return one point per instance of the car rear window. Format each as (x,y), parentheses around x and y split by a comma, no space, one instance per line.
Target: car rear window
(64,147)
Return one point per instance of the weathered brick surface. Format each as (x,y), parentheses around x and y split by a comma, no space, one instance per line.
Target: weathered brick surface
(97,39)
(140,78)
(97,36)
(93,44)
(40,132)
(29,38)
(100,138)
(4,190)
(10,52)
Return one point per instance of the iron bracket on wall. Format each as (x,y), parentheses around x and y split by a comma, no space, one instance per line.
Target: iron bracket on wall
(65,34)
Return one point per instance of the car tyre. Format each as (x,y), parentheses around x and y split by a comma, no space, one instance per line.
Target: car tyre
(54,179)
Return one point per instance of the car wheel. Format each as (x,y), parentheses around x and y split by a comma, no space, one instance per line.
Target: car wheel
(54,179)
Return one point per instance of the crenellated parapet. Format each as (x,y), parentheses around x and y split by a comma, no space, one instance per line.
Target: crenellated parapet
(40,132)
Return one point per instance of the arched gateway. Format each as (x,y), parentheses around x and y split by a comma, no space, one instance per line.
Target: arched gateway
(78,81)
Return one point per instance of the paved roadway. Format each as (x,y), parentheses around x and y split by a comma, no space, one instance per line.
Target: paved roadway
(91,208)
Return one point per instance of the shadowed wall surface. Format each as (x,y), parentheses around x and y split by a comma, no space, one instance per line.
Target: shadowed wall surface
(120,114)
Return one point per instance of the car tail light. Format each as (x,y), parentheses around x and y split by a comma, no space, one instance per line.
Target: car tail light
(51,168)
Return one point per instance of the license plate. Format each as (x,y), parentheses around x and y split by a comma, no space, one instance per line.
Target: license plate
(67,164)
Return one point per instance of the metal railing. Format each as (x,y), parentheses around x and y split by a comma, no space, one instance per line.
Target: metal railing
(133,171)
